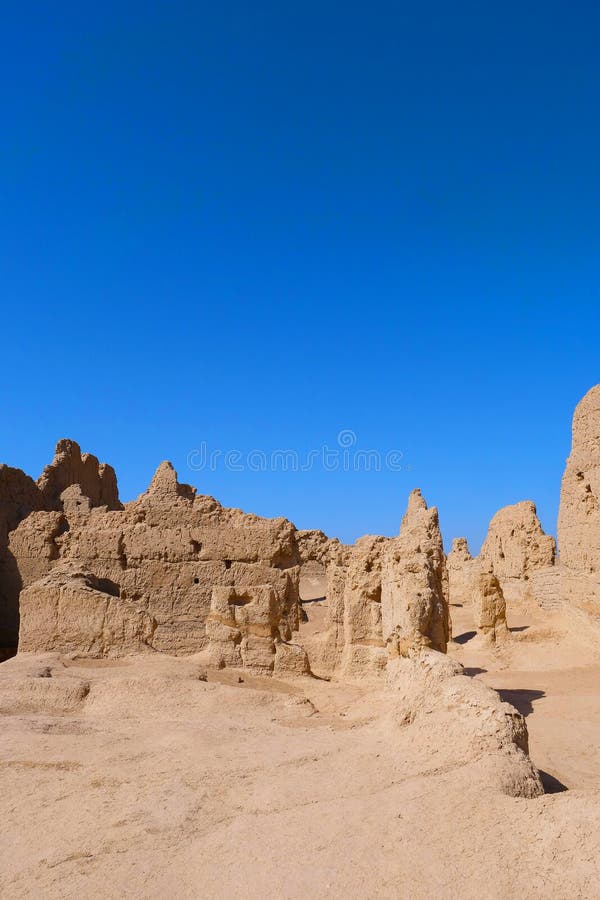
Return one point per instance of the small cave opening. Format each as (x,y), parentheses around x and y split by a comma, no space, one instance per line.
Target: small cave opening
(375,595)
(63,527)
(107,586)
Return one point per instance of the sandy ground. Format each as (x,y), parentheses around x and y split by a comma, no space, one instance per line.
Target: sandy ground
(551,674)
(157,784)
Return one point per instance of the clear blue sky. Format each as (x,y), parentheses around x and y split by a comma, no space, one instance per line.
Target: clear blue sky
(257,224)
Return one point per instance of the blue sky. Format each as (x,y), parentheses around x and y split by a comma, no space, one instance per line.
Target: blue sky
(253,226)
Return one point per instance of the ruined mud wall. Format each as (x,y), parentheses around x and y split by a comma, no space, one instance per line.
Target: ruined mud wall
(463,569)
(515,548)
(98,481)
(175,572)
(163,553)
(385,596)
(415,583)
(579,513)
(21,497)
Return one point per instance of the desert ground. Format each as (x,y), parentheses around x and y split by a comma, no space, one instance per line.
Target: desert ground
(134,777)
(550,671)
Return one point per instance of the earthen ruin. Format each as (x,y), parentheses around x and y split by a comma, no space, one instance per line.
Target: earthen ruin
(218,672)
(175,572)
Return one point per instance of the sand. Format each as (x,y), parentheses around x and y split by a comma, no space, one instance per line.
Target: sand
(551,675)
(157,784)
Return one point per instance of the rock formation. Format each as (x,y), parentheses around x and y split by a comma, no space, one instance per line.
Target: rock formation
(519,553)
(516,547)
(462,570)
(364,645)
(95,485)
(414,595)
(164,552)
(19,496)
(579,516)
(244,629)
(489,607)
(97,480)
(383,596)
(175,572)
(577,581)
(72,611)
(141,575)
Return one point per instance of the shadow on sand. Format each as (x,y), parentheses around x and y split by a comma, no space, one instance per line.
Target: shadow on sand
(551,784)
(464,637)
(521,699)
